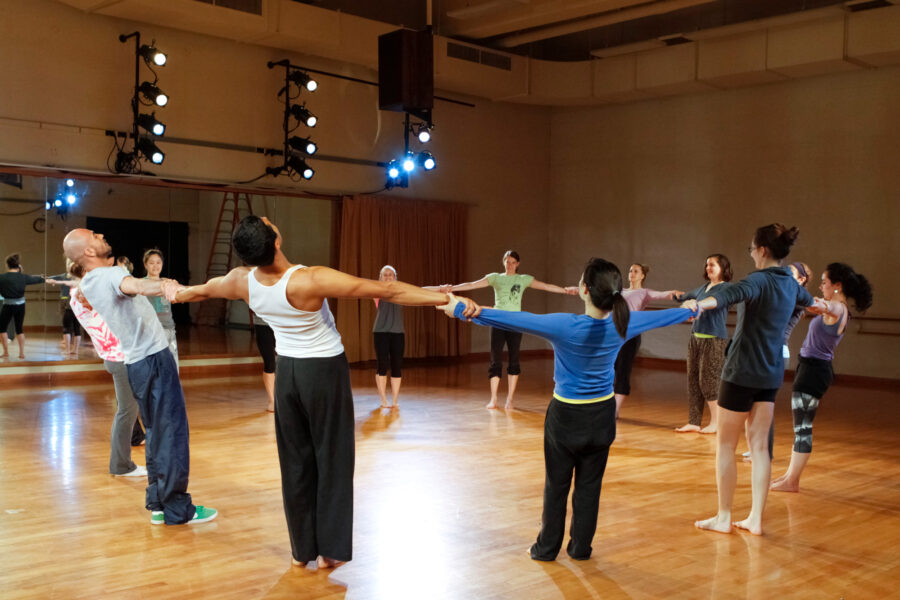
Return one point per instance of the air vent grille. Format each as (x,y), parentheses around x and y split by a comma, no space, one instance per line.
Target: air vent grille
(489,59)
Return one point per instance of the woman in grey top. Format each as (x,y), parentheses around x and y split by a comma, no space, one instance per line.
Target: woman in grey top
(389,342)
(153,262)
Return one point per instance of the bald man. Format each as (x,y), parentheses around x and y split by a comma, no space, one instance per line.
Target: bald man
(120,300)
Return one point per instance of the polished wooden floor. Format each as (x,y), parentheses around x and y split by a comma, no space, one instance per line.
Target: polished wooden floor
(448,498)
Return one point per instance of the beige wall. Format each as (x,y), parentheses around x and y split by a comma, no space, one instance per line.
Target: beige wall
(667,182)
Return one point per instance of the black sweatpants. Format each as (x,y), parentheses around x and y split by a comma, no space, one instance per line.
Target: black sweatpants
(314,429)
(577,438)
(624,362)
(389,349)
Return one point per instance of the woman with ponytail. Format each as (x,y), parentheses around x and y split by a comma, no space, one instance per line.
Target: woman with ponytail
(814,373)
(580,424)
(754,370)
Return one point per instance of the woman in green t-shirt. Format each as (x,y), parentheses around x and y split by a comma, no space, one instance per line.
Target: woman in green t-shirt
(509,287)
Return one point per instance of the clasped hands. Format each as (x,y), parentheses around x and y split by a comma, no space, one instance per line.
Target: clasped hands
(470,311)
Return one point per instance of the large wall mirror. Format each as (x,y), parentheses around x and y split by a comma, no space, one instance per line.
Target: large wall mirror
(190,227)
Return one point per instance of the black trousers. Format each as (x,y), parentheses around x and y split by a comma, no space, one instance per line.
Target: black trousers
(389,349)
(157,388)
(577,438)
(513,340)
(624,362)
(14,313)
(314,429)
(265,343)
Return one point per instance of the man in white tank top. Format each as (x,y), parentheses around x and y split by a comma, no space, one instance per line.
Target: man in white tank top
(314,420)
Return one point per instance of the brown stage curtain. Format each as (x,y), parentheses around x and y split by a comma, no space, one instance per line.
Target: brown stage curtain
(425,242)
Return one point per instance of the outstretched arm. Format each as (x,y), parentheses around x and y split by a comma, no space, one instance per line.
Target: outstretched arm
(461,287)
(232,286)
(549,287)
(309,287)
(133,286)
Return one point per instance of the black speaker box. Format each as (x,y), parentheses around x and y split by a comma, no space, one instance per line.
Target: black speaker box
(406,71)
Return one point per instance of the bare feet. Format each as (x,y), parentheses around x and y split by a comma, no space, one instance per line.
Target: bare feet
(328,563)
(270,409)
(396,405)
(22,355)
(297,563)
(747,525)
(492,404)
(687,428)
(509,405)
(746,457)
(717,524)
(783,484)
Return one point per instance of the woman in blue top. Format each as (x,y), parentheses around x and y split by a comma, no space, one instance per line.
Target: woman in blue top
(706,347)
(581,421)
(754,370)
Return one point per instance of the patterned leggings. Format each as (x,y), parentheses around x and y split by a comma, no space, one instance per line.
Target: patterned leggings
(705,359)
(804,408)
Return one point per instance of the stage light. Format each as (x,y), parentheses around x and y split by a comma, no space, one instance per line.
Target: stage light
(303,115)
(150,151)
(393,170)
(303,145)
(423,132)
(409,163)
(70,182)
(47,205)
(299,166)
(426,161)
(303,80)
(71,199)
(57,203)
(150,54)
(153,93)
(151,124)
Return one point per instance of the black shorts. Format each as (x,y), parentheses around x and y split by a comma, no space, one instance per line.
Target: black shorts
(265,343)
(739,398)
(813,376)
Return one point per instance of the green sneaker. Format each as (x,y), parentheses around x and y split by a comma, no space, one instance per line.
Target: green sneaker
(157,517)
(203,514)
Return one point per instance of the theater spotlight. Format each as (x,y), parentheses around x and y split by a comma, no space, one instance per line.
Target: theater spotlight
(426,161)
(47,205)
(423,132)
(151,124)
(70,182)
(409,163)
(303,145)
(302,114)
(71,198)
(57,203)
(146,147)
(303,80)
(299,166)
(151,55)
(393,170)
(153,93)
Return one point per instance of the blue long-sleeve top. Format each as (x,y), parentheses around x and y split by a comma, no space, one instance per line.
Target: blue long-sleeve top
(711,322)
(755,356)
(584,348)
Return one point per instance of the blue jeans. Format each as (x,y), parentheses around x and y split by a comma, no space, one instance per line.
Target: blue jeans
(154,381)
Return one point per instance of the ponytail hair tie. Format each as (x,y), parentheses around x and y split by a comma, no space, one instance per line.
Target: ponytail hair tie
(615,292)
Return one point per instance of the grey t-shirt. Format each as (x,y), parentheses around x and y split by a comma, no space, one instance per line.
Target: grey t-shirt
(389,318)
(131,318)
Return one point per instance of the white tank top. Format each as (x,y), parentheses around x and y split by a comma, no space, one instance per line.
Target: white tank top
(298,333)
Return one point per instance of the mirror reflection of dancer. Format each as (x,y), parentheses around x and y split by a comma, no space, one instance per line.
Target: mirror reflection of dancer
(814,373)
(120,300)
(754,370)
(389,342)
(153,263)
(71,330)
(509,287)
(110,352)
(265,343)
(313,400)
(580,424)
(637,297)
(12,289)
(706,348)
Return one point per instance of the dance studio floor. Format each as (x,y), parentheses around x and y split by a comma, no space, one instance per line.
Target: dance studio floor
(448,499)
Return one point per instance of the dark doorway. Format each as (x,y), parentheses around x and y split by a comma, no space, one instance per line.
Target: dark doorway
(131,238)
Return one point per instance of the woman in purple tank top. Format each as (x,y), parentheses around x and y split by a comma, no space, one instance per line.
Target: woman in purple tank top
(814,373)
